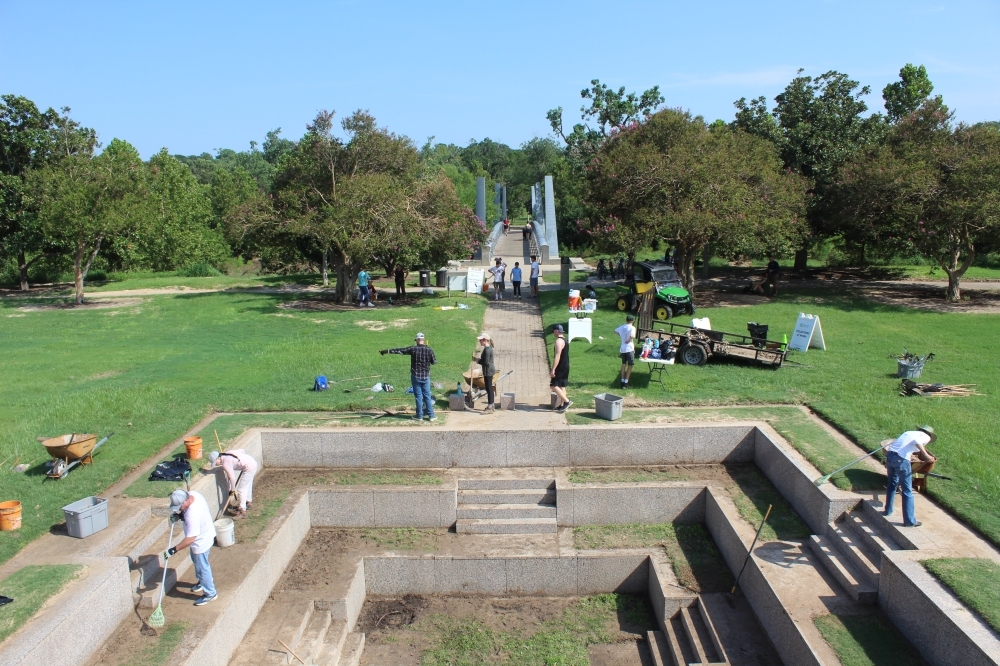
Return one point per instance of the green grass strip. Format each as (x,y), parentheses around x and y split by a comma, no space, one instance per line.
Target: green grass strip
(974,580)
(865,640)
(159,652)
(30,588)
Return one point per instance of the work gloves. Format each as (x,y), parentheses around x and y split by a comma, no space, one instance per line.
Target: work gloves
(383,351)
(176,517)
(168,553)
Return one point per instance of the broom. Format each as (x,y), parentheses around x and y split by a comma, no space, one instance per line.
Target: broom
(156,619)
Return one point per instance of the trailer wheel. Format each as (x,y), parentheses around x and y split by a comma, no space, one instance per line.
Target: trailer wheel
(663,313)
(692,354)
(624,304)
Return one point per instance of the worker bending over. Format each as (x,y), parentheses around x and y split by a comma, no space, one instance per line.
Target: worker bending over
(233,461)
(199,533)
(900,473)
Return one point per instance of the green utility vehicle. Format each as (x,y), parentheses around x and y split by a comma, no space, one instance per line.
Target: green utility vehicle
(661,278)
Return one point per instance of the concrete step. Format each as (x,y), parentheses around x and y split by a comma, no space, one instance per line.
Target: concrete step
(333,646)
(871,533)
(678,650)
(837,564)
(125,517)
(858,553)
(709,636)
(292,629)
(507,511)
(353,649)
(506,526)
(690,638)
(515,496)
(505,484)
(659,648)
(147,573)
(908,538)
(311,643)
(149,536)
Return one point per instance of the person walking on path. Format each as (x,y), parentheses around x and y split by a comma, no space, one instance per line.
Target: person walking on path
(497,272)
(560,369)
(400,273)
(627,350)
(241,485)
(363,296)
(421,359)
(199,534)
(515,279)
(900,473)
(489,369)
(533,276)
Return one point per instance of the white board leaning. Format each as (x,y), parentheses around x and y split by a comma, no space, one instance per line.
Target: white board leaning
(474,284)
(808,334)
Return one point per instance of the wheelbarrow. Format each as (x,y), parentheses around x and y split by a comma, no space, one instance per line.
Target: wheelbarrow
(68,451)
(477,385)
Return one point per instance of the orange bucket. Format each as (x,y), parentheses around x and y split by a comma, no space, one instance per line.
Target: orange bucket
(193,447)
(10,515)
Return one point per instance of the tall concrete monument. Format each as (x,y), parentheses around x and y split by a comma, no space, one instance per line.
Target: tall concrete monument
(550,219)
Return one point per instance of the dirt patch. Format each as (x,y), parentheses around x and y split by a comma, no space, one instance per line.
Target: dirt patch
(391,613)
(318,305)
(710,474)
(384,325)
(932,298)
(102,304)
(106,375)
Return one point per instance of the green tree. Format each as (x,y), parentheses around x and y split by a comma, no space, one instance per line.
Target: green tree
(934,187)
(673,177)
(905,96)
(83,200)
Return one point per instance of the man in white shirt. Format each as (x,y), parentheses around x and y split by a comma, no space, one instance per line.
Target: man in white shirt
(199,534)
(533,276)
(498,272)
(897,463)
(627,350)
(241,485)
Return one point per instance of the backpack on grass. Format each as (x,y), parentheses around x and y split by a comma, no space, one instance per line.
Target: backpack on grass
(321,384)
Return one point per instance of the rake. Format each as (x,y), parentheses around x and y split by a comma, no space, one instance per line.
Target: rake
(826,477)
(156,619)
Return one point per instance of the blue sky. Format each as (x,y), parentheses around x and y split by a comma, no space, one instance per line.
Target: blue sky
(200,76)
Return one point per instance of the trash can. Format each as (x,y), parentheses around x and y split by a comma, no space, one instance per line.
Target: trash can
(85,517)
(909,369)
(442,278)
(425,278)
(609,406)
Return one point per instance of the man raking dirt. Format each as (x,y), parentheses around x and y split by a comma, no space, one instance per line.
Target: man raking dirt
(199,534)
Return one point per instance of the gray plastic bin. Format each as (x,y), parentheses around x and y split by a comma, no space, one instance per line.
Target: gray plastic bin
(908,369)
(86,516)
(609,406)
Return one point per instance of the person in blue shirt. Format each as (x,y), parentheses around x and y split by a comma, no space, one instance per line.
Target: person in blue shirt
(515,279)
(364,298)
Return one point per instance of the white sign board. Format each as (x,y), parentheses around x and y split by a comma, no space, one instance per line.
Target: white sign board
(581,328)
(456,283)
(808,334)
(474,284)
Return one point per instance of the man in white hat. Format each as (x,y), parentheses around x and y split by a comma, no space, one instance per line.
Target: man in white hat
(233,461)
(421,359)
(199,534)
(900,473)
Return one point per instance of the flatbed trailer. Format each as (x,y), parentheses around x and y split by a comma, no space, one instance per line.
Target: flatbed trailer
(695,346)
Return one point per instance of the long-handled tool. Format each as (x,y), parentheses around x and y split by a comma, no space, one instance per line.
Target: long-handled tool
(826,477)
(750,552)
(156,619)
(229,497)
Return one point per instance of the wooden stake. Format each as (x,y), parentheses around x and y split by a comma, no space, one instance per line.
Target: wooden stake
(293,652)
(217,441)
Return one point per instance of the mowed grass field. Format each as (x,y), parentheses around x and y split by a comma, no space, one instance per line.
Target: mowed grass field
(152,369)
(853,383)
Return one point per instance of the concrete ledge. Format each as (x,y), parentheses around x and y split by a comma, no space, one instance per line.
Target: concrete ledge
(499,576)
(943,629)
(791,644)
(383,506)
(794,478)
(629,503)
(216,647)
(76,622)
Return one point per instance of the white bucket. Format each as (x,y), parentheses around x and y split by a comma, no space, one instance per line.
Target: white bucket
(224,534)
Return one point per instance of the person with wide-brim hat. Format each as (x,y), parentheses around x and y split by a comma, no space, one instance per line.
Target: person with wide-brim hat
(900,473)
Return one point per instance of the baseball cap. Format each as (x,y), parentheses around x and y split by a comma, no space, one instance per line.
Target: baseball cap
(213,456)
(484,336)
(177,498)
(629,317)
(557,328)
(420,336)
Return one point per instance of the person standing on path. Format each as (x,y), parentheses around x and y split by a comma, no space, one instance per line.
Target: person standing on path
(400,274)
(363,296)
(421,359)
(199,533)
(897,464)
(497,272)
(515,279)
(489,369)
(627,350)
(233,461)
(560,369)
(533,276)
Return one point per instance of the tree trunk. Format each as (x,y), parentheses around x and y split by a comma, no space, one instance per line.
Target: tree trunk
(81,251)
(326,274)
(684,265)
(706,256)
(956,271)
(22,267)
(801,259)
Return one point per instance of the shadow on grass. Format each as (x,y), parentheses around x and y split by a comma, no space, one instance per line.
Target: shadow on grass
(707,566)
(758,490)
(866,640)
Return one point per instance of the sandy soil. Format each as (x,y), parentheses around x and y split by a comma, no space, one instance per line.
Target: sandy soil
(103,304)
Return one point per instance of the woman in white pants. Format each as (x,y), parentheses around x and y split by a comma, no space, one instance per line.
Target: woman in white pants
(240,469)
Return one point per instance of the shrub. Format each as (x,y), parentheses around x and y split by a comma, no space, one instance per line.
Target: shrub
(199,269)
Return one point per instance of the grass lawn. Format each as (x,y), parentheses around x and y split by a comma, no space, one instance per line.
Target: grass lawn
(158,653)
(865,640)
(696,561)
(853,383)
(150,371)
(30,587)
(564,640)
(973,580)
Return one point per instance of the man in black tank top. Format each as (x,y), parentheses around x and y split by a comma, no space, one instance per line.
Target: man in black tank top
(560,369)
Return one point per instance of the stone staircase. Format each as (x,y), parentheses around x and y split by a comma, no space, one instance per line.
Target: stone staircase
(314,636)
(506,506)
(851,550)
(690,639)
